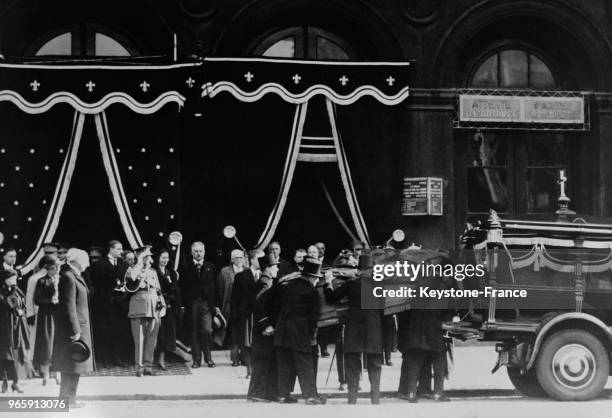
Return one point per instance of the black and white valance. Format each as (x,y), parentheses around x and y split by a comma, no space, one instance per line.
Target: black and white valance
(90,89)
(342,82)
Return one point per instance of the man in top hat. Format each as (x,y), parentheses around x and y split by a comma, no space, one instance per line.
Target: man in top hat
(145,309)
(244,290)
(362,335)
(225,283)
(264,380)
(295,333)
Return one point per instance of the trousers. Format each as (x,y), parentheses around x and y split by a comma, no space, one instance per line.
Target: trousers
(413,363)
(352,363)
(201,339)
(144,333)
(292,363)
(68,386)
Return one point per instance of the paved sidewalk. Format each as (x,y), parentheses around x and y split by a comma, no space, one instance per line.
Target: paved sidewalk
(471,372)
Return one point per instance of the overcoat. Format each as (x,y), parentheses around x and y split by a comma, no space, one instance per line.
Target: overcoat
(14,330)
(297,320)
(242,304)
(362,333)
(71,317)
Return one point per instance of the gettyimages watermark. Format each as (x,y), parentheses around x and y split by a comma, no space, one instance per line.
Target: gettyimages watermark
(515,279)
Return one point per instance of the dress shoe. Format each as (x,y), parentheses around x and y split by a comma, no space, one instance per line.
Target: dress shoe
(316,401)
(425,395)
(288,399)
(211,364)
(410,397)
(139,373)
(150,372)
(390,363)
(162,365)
(195,365)
(342,387)
(44,382)
(15,387)
(235,363)
(325,354)
(440,397)
(256,399)
(352,401)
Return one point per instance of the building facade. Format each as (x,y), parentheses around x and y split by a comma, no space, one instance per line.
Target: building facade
(231,157)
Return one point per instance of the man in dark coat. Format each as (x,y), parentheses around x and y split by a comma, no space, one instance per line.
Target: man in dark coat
(295,333)
(198,288)
(362,335)
(242,304)
(421,342)
(264,381)
(72,324)
(110,324)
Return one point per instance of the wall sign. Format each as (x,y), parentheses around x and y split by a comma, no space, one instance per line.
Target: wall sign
(422,196)
(521,109)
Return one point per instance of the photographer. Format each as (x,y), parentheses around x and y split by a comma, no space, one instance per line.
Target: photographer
(145,311)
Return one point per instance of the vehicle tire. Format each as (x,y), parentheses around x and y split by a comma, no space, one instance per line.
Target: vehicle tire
(527,384)
(573,365)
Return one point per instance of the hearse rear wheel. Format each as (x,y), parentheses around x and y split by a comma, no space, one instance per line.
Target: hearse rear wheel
(573,365)
(526,383)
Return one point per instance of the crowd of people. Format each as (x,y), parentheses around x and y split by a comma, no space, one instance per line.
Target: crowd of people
(77,309)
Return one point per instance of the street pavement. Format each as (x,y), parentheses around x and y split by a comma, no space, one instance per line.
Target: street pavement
(221,391)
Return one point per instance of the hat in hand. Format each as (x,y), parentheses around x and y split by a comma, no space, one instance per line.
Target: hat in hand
(79,351)
(219,321)
(312,267)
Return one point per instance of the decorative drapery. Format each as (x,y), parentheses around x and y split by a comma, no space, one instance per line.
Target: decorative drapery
(92,90)
(298,82)
(140,158)
(341,82)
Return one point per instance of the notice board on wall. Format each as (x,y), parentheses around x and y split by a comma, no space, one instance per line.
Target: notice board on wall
(422,196)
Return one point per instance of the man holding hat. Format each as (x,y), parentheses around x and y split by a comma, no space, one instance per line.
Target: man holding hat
(295,331)
(244,290)
(225,282)
(72,326)
(146,305)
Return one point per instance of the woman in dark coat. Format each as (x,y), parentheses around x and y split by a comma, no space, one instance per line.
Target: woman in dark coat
(168,281)
(72,323)
(363,335)
(14,331)
(46,296)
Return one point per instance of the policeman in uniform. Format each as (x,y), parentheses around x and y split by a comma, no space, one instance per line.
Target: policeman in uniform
(363,333)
